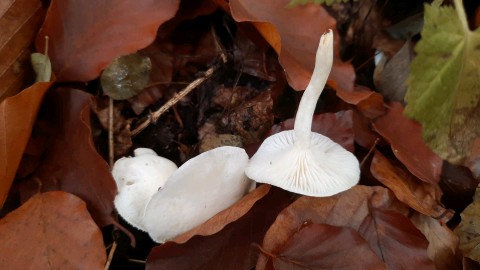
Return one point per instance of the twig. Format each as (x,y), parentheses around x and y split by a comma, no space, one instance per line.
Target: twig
(110,255)
(111,143)
(369,152)
(154,116)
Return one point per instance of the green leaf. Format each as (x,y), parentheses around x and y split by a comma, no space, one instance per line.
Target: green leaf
(42,67)
(316,2)
(444,89)
(468,230)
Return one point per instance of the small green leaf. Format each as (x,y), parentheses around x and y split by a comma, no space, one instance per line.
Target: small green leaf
(444,89)
(42,67)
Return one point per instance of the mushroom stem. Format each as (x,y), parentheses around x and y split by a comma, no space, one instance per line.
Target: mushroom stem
(323,65)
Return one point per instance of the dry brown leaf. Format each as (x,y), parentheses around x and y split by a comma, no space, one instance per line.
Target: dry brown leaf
(372,211)
(405,137)
(19,23)
(85,36)
(294,33)
(443,243)
(421,196)
(52,230)
(17,116)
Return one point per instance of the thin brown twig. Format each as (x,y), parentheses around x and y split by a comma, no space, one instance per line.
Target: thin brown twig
(154,116)
(111,143)
(369,152)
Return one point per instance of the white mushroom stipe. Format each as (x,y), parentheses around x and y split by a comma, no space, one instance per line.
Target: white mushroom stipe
(198,190)
(137,179)
(303,161)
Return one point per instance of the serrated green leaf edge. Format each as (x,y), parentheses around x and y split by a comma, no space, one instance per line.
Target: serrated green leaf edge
(444,84)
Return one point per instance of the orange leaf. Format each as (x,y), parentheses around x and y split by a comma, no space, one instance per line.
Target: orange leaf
(19,23)
(405,137)
(17,116)
(294,33)
(85,36)
(70,162)
(421,196)
(52,230)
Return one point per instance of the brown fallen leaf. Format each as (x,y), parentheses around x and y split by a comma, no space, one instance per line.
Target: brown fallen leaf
(227,216)
(468,230)
(229,248)
(421,196)
(443,243)
(70,162)
(372,211)
(294,34)
(321,246)
(19,23)
(52,230)
(405,138)
(85,36)
(17,117)
(337,126)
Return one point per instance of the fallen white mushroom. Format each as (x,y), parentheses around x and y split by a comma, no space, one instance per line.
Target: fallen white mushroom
(137,179)
(303,161)
(199,189)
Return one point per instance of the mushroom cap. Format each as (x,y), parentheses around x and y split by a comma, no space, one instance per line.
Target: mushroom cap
(324,168)
(198,190)
(137,179)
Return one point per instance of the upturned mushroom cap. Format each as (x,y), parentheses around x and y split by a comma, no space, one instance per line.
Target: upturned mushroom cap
(199,189)
(323,169)
(137,179)
(303,161)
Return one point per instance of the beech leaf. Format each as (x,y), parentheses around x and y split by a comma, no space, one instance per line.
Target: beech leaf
(444,90)
(469,229)
(322,246)
(42,67)
(85,36)
(17,116)
(52,230)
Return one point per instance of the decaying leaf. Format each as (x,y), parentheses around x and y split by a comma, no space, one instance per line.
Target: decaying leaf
(85,36)
(404,136)
(42,67)
(70,162)
(444,90)
(423,197)
(469,229)
(372,211)
(321,246)
(52,230)
(443,243)
(294,34)
(126,76)
(232,246)
(19,23)
(316,2)
(17,117)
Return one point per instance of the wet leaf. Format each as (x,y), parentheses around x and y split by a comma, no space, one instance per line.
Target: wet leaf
(126,76)
(469,229)
(294,33)
(405,139)
(229,248)
(19,23)
(52,230)
(423,197)
(444,90)
(321,246)
(85,36)
(17,117)
(443,243)
(372,211)
(70,162)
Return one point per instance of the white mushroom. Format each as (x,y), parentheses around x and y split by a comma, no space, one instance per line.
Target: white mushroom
(137,179)
(303,161)
(199,189)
